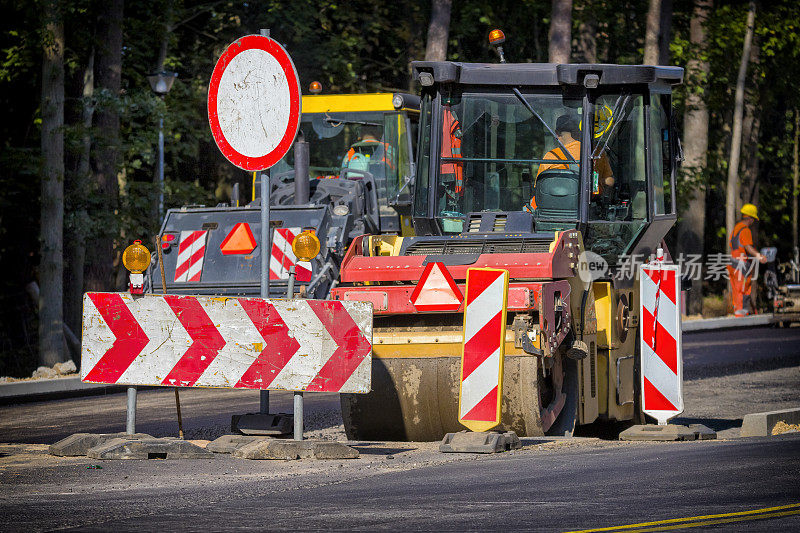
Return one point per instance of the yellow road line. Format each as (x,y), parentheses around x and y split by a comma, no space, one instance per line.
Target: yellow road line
(764,516)
(692,521)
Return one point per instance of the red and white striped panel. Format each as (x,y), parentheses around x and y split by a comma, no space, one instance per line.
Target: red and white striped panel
(283,257)
(484,348)
(206,341)
(191,250)
(660,338)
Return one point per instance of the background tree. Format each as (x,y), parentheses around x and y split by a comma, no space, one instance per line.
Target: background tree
(733,201)
(652,33)
(51,322)
(438,30)
(108,79)
(691,227)
(560,32)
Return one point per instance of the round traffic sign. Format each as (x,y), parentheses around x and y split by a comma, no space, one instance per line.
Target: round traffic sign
(254,102)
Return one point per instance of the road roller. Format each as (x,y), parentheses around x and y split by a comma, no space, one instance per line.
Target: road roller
(561,174)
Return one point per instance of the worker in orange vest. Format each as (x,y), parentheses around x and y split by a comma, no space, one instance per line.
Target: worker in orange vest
(371,149)
(741,246)
(568,132)
(451,147)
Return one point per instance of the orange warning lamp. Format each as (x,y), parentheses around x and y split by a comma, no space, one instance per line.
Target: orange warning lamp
(496,37)
(136,257)
(315,87)
(239,241)
(305,246)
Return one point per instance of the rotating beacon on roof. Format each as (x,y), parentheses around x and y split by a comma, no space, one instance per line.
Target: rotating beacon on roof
(353,175)
(500,183)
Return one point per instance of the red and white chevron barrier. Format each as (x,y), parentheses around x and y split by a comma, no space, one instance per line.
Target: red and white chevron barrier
(206,341)
(660,338)
(282,256)
(191,251)
(484,348)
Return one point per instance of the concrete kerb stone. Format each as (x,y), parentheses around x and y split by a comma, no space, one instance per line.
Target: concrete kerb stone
(728,322)
(670,432)
(80,443)
(231,443)
(150,448)
(761,424)
(479,442)
(277,449)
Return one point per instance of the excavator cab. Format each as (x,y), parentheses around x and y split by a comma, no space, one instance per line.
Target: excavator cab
(522,148)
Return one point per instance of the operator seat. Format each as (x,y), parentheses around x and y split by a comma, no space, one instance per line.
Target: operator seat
(557,194)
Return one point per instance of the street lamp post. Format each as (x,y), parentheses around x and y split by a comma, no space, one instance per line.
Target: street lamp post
(161,83)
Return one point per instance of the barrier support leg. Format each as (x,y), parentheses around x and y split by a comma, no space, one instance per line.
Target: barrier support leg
(298,416)
(130,426)
(264,402)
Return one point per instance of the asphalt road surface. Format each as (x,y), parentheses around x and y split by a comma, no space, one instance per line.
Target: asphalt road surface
(752,484)
(583,487)
(717,353)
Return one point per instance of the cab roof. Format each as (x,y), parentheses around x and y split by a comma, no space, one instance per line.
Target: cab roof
(546,74)
(353,103)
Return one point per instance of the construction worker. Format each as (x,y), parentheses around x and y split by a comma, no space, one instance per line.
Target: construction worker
(451,147)
(741,246)
(569,134)
(367,149)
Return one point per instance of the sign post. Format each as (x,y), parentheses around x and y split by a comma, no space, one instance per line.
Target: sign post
(254,106)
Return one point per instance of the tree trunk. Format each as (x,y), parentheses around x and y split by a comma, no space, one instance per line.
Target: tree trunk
(795,178)
(560,31)
(438,31)
(51,261)
(691,229)
(665,33)
(108,79)
(751,133)
(732,191)
(76,251)
(587,34)
(652,33)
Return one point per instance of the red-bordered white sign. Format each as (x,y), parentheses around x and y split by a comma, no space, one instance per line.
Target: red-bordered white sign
(254,102)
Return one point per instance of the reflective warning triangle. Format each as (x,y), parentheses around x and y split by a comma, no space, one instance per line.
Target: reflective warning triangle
(436,290)
(239,241)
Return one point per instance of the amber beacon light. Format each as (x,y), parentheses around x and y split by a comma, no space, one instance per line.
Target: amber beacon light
(136,259)
(305,246)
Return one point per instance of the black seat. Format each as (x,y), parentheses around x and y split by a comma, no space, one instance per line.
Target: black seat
(557,194)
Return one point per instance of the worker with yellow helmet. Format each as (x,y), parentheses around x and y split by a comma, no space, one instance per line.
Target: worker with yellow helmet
(741,246)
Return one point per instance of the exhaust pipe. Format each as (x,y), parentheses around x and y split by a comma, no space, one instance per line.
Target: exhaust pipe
(301,179)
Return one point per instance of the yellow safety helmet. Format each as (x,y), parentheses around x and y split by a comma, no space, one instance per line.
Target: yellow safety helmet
(750,210)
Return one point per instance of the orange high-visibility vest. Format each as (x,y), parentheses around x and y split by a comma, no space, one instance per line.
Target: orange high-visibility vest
(451,147)
(351,153)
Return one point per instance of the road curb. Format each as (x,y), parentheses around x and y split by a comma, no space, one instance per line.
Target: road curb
(41,389)
(761,424)
(728,322)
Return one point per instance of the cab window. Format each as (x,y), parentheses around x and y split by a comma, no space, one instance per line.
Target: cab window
(661,153)
(618,204)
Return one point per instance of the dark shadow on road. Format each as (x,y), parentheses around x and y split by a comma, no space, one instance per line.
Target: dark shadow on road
(717,424)
(375,448)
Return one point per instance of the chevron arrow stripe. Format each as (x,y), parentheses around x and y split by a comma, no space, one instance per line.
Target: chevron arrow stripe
(276,353)
(352,347)
(130,338)
(206,341)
